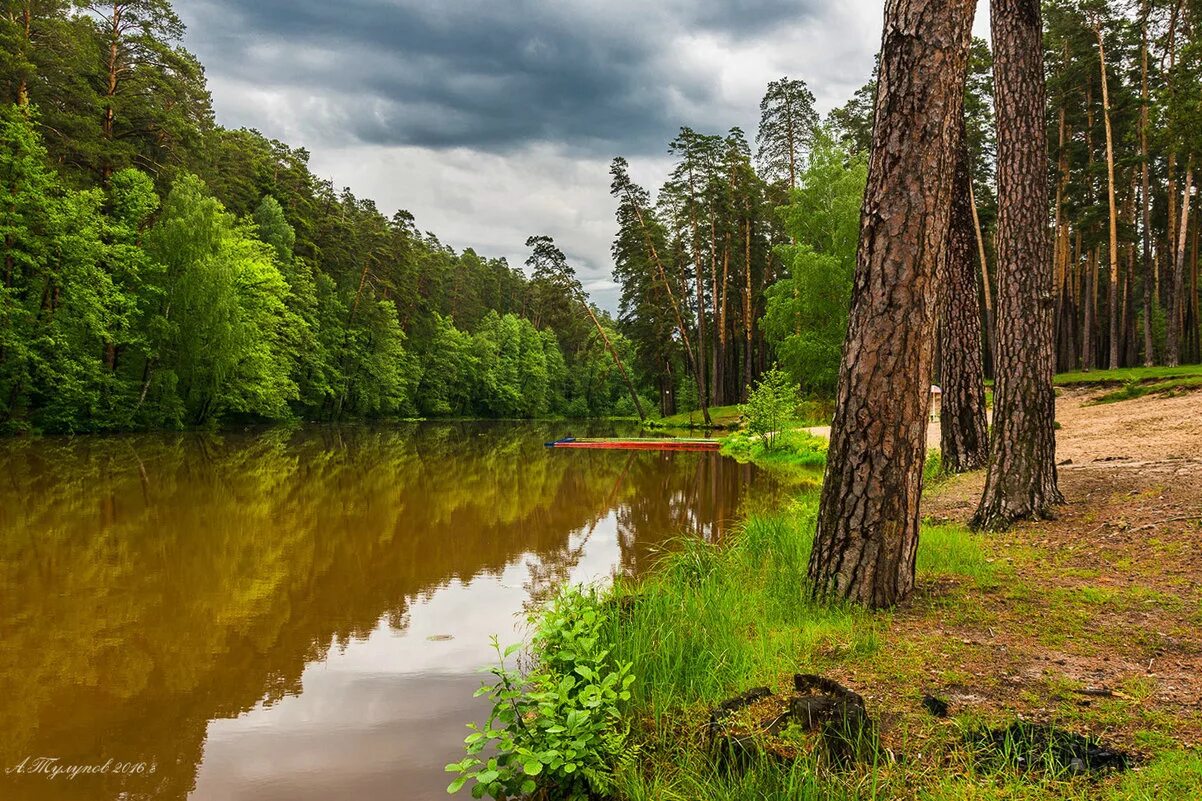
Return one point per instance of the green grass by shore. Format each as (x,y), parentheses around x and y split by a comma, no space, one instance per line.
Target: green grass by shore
(715,619)
(810,412)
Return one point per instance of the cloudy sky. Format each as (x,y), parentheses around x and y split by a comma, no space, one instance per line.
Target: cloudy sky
(495,120)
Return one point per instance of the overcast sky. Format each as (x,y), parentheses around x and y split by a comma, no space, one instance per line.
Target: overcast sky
(492,121)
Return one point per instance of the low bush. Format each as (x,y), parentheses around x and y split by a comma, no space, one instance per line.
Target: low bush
(560,727)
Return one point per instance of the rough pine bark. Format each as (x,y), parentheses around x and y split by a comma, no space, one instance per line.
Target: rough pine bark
(964,430)
(867,536)
(1021,481)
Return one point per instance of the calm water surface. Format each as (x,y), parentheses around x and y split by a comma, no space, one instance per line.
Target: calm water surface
(298,614)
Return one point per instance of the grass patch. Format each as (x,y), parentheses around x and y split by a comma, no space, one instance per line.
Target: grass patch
(951,550)
(810,412)
(720,417)
(1133,389)
(1135,382)
(1128,374)
(1172,776)
(714,619)
(794,451)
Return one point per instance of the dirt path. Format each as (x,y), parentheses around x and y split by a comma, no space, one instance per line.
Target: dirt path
(1094,619)
(1145,429)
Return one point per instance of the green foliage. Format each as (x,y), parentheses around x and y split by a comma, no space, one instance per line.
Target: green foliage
(951,550)
(806,314)
(788,123)
(215,338)
(119,312)
(770,404)
(559,728)
(791,449)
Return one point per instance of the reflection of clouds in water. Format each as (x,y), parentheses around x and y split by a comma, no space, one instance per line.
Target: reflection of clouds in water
(307,568)
(392,686)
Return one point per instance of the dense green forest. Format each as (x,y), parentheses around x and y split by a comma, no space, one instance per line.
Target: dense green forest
(163,271)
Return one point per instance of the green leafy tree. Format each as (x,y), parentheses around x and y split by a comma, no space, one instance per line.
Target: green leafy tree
(806,313)
(217,338)
(770,405)
(788,123)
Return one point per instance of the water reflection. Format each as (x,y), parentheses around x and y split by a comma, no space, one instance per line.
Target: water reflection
(166,599)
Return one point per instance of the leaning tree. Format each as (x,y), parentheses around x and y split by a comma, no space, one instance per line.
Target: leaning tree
(964,429)
(1021,481)
(867,537)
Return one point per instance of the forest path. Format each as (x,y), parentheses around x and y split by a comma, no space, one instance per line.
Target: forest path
(1151,428)
(1092,620)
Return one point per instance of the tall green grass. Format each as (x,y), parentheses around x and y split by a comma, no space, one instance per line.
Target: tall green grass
(714,619)
(720,617)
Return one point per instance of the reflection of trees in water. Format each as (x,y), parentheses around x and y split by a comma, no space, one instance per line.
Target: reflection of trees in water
(702,501)
(547,575)
(152,583)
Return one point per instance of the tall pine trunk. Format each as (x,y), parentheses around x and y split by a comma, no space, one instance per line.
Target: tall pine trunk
(867,534)
(1177,289)
(986,289)
(682,329)
(964,431)
(1114,231)
(748,312)
(1021,481)
(1149,295)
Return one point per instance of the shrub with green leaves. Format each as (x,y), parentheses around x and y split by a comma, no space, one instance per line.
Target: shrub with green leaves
(770,404)
(558,728)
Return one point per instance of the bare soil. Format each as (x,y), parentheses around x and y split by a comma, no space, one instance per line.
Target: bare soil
(1093,620)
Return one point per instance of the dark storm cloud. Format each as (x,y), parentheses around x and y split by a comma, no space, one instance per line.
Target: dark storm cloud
(595,77)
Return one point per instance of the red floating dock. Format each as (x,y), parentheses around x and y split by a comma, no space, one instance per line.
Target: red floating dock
(639,444)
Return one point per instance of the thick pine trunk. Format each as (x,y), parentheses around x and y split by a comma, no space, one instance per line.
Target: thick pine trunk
(964,430)
(1021,481)
(867,534)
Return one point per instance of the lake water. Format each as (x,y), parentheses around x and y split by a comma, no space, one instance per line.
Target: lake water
(298,614)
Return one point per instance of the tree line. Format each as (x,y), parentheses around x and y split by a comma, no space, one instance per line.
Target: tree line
(162,271)
(1125,123)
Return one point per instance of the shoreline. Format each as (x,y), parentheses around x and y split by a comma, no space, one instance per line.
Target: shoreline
(717,620)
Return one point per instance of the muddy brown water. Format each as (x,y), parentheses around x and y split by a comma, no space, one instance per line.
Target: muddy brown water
(299,614)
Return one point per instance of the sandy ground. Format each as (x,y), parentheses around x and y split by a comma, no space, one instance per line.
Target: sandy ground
(1144,429)
(1095,622)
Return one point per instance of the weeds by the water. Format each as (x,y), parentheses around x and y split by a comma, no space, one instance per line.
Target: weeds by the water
(717,618)
(792,451)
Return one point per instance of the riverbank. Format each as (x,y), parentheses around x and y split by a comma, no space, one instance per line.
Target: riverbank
(1087,624)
